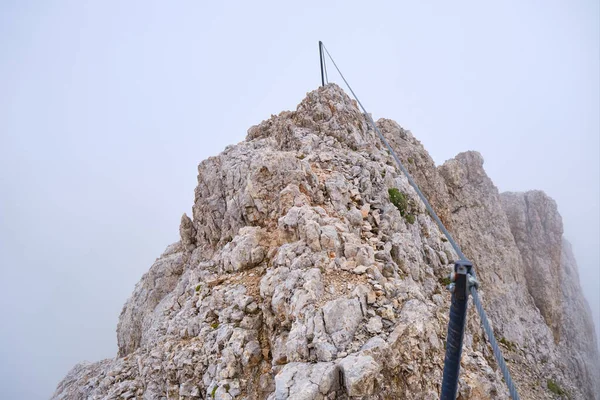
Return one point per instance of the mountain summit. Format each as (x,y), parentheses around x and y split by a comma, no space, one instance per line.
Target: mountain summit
(310,269)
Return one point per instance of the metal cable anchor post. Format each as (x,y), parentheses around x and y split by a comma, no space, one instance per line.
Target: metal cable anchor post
(456,326)
(322,61)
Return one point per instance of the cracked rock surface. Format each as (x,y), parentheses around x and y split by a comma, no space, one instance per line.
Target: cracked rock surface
(297,277)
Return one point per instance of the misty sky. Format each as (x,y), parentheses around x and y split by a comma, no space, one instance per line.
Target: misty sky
(107,107)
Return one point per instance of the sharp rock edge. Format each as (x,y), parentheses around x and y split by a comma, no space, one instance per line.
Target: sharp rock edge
(298,278)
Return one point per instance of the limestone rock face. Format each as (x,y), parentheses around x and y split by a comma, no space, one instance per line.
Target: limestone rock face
(481,227)
(143,307)
(297,277)
(420,165)
(578,341)
(537,229)
(553,282)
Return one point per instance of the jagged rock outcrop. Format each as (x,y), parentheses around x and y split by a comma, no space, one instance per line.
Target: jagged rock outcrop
(578,341)
(420,165)
(311,270)
(143,308)
(537,229)
(553,281)
(482,229)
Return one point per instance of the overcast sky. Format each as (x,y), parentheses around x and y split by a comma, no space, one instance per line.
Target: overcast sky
(107,107)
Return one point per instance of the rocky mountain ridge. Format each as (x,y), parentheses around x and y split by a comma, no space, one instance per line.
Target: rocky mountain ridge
(311,270)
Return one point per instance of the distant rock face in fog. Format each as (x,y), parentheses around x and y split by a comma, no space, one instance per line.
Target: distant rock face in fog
(537,229)
(298,278)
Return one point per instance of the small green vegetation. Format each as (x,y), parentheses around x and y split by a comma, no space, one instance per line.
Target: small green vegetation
(301,156)
(510,345)
(226,386)
(399,200)
(212,394)
(411,161)
(554,388)
(214,325)
(445,281)
(198,286)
